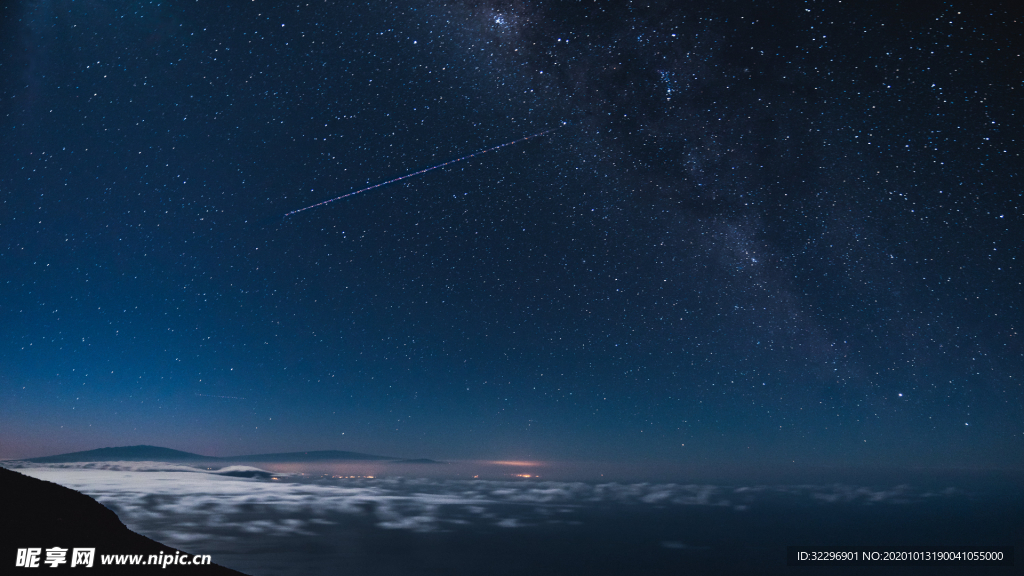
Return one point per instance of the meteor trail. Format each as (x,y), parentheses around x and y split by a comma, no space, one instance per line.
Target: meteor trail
(216,396)
(425,170)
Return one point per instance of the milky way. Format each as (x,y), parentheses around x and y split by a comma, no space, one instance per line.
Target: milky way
(768,233)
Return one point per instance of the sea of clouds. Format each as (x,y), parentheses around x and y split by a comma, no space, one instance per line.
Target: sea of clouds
(238,511)
(184,503)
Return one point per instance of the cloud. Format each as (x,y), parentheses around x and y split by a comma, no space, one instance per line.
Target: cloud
(182,505)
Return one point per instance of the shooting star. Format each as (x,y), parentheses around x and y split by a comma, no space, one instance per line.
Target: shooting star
(216,396)
(425,170)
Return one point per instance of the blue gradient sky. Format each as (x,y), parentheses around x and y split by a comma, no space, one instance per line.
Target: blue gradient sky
(767,234)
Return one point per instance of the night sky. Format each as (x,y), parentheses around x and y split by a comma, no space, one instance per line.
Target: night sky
(759,234)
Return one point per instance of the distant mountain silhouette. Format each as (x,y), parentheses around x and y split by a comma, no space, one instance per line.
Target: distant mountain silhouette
(40,514)
(314,456)
(129,453)
(159,454)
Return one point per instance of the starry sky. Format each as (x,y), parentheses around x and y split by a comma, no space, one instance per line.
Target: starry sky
(759,233)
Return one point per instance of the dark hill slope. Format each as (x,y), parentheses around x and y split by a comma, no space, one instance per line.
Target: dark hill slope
(40,514)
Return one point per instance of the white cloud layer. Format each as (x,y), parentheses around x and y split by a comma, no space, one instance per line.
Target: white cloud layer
(179,504)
